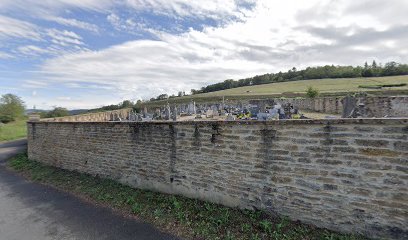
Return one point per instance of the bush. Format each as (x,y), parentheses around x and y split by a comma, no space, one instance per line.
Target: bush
(11,107)
(56,112)
(312,92)
(6,119)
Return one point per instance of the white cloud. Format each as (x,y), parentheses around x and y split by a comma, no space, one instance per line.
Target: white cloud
(70,103)
(64,98)
(272,36)
(114,20)
(64,38)
(15,34)
(203,8)
(127,25)
(54,6)
(13,28)
(74,23)
(268,39)
(4,55)
(31,50)
(217,9)
(34,84)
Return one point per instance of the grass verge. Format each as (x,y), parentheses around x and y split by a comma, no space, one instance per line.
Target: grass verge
(13,130)
(184,217)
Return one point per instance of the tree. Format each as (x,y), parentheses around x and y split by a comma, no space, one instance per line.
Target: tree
(374,65)
(138,106)
(367,72)
(162,97)
(312,92)
(126,104)
(56,112)
(11,108)
(375,69)
(391,69)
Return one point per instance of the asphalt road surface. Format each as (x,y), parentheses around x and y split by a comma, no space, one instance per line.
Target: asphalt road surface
(31,211)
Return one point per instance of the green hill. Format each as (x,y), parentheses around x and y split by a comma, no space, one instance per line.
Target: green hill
(327,87)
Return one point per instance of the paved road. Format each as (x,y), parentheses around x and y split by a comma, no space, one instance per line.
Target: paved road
(33,211)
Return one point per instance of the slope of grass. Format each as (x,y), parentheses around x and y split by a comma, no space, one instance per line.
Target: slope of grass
(13,130)
(184,217)
(323,85)
(340,86)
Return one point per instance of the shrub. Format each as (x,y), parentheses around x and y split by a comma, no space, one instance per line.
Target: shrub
(266,226)
(6,119)
(379,86)
(312,92)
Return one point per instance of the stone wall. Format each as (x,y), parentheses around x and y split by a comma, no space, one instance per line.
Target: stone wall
(347,175)
(386,106)
(114,115)
(323,105)
(377,106)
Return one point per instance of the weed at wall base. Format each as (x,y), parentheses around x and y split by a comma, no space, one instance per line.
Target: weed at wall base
(186,218)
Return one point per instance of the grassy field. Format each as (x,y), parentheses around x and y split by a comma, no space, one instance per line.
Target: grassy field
(13,130)
(184,217)
(340,86)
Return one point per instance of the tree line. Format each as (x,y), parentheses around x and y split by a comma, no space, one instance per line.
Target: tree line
(124,104)
(328,71)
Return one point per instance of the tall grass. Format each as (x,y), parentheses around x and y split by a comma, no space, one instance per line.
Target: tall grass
(13,130)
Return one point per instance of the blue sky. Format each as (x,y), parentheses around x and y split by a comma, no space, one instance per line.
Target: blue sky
(89,53)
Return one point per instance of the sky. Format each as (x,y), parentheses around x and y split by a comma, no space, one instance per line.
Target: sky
(89,53)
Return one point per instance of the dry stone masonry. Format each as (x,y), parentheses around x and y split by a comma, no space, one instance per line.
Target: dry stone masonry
(374,106)
(114,115)
(349,175)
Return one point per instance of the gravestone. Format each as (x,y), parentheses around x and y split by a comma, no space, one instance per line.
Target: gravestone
(254,110)
(144,111)
(167,112)
(262,116)
(159,115)
(215,111)
(191,110)
(359,111)
(274,113)
(349,105)
(174,113)
(131,116)
(209,113)
(147,118)
(262,106)
(231,117)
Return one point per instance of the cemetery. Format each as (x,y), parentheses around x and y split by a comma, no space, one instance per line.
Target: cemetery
(345,171)
(359,106)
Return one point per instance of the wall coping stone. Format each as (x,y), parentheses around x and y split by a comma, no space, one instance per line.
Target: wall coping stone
(247,122)
(83,115)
